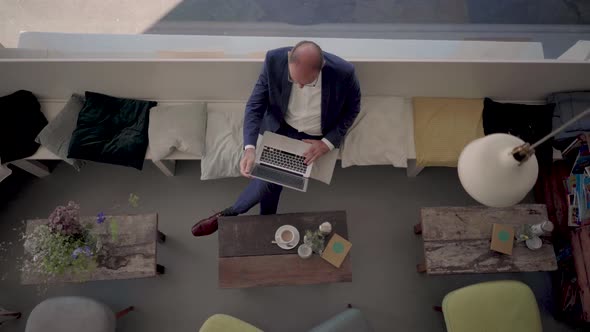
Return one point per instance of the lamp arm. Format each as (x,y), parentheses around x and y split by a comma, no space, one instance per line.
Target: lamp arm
(560,129)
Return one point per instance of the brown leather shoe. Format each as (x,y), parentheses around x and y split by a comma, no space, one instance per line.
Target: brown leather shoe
(209,225)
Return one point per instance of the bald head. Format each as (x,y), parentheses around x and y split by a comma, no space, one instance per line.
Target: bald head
(308,53)
(306,60)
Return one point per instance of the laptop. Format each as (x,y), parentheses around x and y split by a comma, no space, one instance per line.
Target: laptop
(280,160)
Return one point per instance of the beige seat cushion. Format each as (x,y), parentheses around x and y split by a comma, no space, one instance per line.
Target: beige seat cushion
(179,127)
(223,141)
(443,127)
(379,135)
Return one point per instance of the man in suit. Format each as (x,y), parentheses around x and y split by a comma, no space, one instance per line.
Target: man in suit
(303,93)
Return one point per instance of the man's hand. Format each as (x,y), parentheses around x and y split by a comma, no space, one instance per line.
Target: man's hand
(316,150)
(247,162)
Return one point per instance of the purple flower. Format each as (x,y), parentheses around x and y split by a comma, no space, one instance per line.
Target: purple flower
(100,218)
(87,251)
(82,250)
(76,252)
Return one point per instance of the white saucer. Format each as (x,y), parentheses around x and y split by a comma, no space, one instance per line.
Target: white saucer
(293,243)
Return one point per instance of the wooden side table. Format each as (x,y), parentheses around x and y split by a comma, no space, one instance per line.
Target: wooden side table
(132,255)
(247,258)
(457,240)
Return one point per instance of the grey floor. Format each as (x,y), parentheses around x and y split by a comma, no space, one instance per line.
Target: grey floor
(382,205)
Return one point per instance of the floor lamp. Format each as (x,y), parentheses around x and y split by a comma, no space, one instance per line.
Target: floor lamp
(499,170)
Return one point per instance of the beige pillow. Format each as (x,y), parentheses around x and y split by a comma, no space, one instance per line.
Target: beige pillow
(223,141)
(443,127)
(379,135)
(177,127)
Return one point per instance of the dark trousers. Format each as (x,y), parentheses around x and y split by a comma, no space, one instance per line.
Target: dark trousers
(266,193)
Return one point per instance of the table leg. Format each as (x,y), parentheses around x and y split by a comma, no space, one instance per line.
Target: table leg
(161,237)
(13,314)
(124,312)
(160,269)
(421,267)
(418,228)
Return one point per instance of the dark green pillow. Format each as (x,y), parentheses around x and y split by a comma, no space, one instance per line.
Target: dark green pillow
(112,130)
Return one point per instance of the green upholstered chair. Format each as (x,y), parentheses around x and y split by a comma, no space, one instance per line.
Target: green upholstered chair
(504,306)
(226,323)
(350,320)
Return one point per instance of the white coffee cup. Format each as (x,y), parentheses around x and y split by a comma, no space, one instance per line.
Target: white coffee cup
(286,236)
(304,251)
(534,243)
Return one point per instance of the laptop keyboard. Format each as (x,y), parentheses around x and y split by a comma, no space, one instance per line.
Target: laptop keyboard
(279,176)
(280,158)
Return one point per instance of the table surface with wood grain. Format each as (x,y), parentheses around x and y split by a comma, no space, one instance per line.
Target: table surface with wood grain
(248,258)
(128,255)
(457,240)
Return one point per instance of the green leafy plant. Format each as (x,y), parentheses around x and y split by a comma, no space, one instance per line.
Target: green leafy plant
(64,245)
(315,240)
(53,253)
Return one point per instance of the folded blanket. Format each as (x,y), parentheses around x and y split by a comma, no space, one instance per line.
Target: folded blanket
(528,122)
(20,122)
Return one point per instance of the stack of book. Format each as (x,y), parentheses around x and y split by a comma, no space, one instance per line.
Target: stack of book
(578,188)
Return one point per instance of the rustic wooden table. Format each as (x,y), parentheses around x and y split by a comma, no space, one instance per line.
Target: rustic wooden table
(132,255)
(247,258)
(457,240)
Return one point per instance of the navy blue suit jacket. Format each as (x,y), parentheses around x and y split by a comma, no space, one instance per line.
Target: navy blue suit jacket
(266,107)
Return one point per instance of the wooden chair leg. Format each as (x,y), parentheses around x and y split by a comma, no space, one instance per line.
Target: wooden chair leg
(124,312)
(418,228)
(421,267)
(161,237)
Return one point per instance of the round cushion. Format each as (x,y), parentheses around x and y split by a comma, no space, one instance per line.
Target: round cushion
(71,313)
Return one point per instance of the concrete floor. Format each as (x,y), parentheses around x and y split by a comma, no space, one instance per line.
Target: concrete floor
(382,206)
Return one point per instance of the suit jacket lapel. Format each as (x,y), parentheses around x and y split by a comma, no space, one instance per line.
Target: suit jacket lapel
(325,94)
(286,92)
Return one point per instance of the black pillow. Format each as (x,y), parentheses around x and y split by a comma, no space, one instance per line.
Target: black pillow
(21,121)
(112,130)
(528,122)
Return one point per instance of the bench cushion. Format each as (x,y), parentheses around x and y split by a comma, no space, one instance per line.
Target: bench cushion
(224,141)
(443,127)
(112,130)
(177,127)
(379,135)
(56,136)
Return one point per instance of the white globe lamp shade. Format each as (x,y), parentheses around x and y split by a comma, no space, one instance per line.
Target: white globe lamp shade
(491,175)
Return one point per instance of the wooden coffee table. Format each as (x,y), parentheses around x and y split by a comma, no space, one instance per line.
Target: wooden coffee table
(247,258)
(132,255)
(457,240)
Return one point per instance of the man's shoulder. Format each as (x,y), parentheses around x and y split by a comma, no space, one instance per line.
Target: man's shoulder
(278,54)
(339,65)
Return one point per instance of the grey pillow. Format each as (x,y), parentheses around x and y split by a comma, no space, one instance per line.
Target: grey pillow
(56,136)
(567,106)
